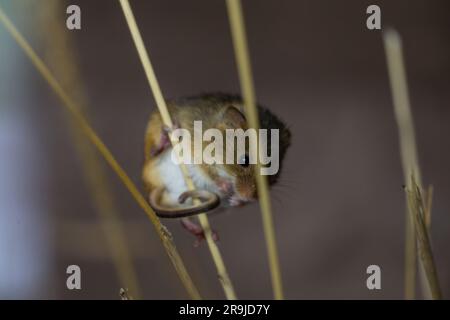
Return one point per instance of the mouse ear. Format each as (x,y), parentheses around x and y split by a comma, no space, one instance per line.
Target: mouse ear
(233,116)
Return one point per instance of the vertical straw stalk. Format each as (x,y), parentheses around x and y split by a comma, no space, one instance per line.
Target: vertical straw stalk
(428,207)
(408,150)
(61,57)
(162,107)
(410,165)
(72,107)
(417,213)
(245,75)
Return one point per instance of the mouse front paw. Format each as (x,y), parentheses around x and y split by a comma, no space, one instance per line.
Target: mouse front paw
(164,141)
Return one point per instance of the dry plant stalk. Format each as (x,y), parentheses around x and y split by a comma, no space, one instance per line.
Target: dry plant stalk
(428,207)
(162,107)
(408,150)
(60,54)
(72,107)
(423,242)
(251,112)
(410,162)
(125,294)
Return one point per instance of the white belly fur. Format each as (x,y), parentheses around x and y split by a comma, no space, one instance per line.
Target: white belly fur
(172,178)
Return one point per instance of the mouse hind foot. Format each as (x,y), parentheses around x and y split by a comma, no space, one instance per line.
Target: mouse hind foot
(197,231)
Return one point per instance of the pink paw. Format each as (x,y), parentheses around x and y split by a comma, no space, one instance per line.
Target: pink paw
(197,231)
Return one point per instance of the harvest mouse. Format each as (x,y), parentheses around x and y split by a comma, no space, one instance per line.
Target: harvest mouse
(216,184)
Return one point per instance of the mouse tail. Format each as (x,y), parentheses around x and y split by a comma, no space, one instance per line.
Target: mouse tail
(209,201)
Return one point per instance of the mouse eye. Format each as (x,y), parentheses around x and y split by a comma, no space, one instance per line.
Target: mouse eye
(244,161)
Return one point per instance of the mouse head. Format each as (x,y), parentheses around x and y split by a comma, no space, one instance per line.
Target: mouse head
(235,181)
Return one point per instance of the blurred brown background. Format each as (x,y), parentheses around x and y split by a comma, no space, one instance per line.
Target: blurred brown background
(340,204)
